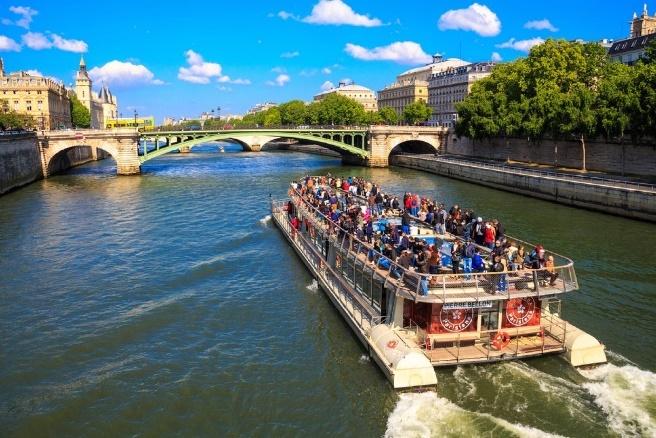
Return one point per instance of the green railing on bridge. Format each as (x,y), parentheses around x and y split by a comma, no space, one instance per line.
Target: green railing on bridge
(348,141)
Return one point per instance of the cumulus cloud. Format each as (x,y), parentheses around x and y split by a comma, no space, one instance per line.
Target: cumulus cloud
(337,12)
(36,41)
(26,13)
(327,86)
(77,46)
(521,45)
(8,45)
(39,41)
(476,18)
(34,72)
(278,70)
(287,15)
(123,74)
(326,70)
(401,52)
(293,54)
(279,81)
(200,71)
(496,57)
(541,25)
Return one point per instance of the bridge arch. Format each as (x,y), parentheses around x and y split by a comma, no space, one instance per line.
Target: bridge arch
(65,155)
(414,146)
(254,139)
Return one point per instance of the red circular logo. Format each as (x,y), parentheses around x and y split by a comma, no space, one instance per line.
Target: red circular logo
(456,320)
(519,311)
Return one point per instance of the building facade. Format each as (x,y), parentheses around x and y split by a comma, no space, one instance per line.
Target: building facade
(412,85)
(261,107)
(641,33)
(44,99)
(447,88)
(102,106)
(362,95)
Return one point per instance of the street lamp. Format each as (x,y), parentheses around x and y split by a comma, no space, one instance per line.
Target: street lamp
(135,118)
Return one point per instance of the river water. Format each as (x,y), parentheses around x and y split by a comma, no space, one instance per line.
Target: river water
(168,304)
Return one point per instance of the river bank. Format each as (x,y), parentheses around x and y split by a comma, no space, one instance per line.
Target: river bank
(614,197)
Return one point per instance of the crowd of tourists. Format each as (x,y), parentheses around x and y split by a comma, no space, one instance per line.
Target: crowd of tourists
(359,207)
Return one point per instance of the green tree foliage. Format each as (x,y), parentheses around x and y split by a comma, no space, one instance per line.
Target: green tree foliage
(650,53)
(562,90)
(292,113)
(388,115)
(272,118)
(416,112)
(80,116)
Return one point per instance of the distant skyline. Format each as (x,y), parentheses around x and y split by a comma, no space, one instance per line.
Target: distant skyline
(172,61)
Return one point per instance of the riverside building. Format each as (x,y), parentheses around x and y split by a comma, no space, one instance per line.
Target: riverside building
(44,99)
(360,94)
(642,32)
(448,87)
(102,106)
(412,85)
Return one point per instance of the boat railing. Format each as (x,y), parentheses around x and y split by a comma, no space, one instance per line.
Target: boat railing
(446,286)
(361,313)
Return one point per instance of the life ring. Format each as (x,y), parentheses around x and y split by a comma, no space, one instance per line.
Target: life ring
(392,344)
(500,340)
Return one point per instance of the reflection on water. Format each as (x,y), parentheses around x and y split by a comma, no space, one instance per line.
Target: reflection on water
(168,303)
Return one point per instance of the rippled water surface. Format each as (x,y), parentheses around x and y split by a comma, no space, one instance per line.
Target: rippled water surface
(168,304)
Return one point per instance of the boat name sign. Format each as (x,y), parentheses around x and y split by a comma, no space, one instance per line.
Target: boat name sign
(468,305)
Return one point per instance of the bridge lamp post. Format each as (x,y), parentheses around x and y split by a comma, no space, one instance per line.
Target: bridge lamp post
(135,118)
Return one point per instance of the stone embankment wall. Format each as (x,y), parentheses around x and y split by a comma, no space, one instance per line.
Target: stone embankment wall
(628,202)
(20,161)
(622,159)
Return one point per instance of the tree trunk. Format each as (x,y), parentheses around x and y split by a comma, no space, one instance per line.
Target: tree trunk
(583,153)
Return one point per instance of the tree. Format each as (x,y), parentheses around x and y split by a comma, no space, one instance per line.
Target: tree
(417,112)
(292,113)
(373,118)
(650,53)
(80,116)
(336,109)
(271,117)
(388,115)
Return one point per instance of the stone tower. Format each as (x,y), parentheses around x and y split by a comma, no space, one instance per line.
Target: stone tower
(643,25)
(83,85)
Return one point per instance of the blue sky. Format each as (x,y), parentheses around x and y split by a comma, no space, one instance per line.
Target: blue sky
(179,61)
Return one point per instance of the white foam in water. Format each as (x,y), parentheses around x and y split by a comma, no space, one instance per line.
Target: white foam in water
(427,415)
(364,359)
(266,220)
(314,286)
(627,395)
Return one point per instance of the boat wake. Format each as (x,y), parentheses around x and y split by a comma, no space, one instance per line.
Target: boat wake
(427,415)
(627,395)
(266,220)
(314,286)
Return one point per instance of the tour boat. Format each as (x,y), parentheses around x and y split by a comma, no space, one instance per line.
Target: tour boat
(411,322)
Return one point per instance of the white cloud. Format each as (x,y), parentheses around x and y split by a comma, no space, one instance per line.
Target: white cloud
(34,73)
(8,45)
(26,14)
(278,70)
(199,71)
(337,12)
(308,72)
(280,80)
(36,41)
(287,15)
(521,45)
(39,41)
(496,57)
(120,73)
(239,81)
(327,86)
(224,88)
(293,54)
(541,25)
(401,52)
(476,18)
(326,70)
(77,46)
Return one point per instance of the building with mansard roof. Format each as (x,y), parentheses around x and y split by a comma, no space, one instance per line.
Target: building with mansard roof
(641,33)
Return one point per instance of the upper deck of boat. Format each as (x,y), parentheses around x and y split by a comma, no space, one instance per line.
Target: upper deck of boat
(444,287)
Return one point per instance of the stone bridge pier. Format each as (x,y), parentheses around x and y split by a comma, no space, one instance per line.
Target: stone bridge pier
(388,140)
